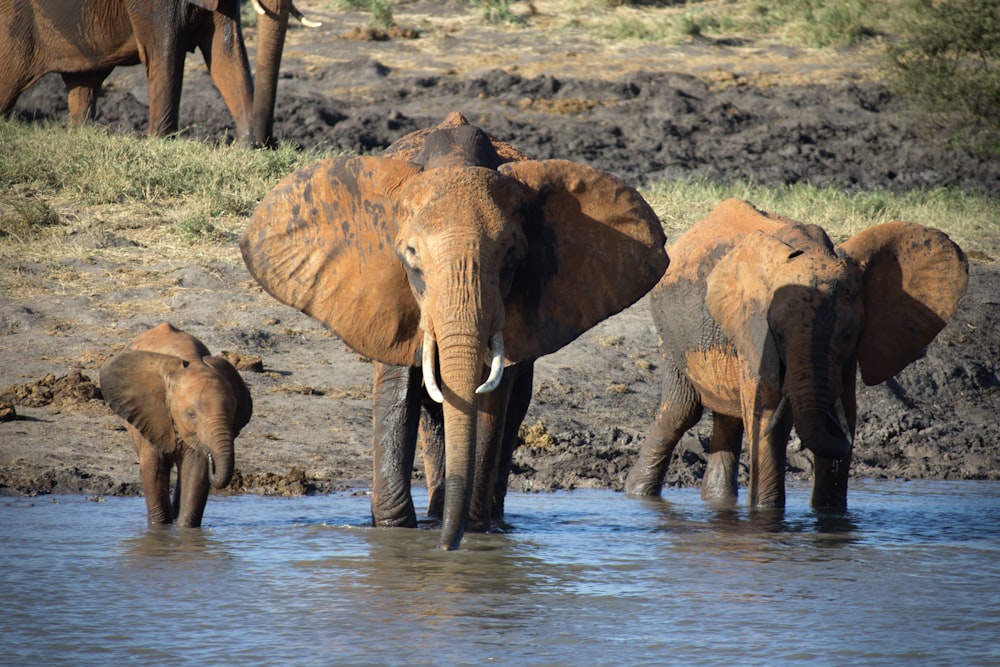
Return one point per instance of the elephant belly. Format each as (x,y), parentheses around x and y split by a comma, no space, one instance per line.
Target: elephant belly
(716,376)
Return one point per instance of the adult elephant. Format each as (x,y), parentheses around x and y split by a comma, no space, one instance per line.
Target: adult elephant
(444,260)
(764,321)
(84,40)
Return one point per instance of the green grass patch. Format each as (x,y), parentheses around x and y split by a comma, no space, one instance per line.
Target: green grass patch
(97,167)
(971,219)
(61,183)
(89,193)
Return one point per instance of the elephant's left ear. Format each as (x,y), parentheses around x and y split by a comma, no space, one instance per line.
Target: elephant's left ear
(914,277)
(594,248)
(244,403)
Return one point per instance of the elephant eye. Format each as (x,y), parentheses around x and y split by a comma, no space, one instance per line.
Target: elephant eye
(510,262)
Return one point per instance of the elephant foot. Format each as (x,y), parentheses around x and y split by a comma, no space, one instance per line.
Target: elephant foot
(719,485)
(642,483)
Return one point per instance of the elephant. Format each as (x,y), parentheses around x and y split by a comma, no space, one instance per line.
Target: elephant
(184,408)
(444,260)
(84,40)
(765,321)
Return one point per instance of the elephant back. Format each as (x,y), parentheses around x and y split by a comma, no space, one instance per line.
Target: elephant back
(453,142)
(165,338)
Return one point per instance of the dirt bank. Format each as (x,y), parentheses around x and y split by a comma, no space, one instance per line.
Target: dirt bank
(642,111)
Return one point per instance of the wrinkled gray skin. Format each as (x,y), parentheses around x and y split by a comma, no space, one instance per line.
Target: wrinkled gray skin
(765,322)
(84,40)
(184,409)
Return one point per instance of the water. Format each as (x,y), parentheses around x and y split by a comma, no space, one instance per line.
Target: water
(910,574)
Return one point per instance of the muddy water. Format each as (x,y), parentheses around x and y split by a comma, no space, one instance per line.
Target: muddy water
(910,574)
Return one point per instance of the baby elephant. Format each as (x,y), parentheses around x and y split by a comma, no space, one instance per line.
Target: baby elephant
(184,407)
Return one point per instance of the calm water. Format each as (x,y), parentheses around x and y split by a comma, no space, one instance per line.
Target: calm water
(910,574)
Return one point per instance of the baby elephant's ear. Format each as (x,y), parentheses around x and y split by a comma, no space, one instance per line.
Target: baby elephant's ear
(134,385)
(594,248)
(244,403)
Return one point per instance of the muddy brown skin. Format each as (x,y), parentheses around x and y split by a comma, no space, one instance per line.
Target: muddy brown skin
(448,256)
(183,408)
(765,322)
(85,40)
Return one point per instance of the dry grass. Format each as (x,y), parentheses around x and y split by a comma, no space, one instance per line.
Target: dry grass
(75,200)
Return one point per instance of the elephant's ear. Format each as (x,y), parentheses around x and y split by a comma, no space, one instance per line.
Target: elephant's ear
(210,5)
(134,385)
(244,403)
(323,241)
(913,279)
(594,248)
(738,296)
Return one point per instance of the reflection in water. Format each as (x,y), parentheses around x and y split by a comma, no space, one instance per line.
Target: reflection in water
(908,573)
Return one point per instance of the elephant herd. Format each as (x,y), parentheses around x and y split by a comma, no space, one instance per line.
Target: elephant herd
(453,261)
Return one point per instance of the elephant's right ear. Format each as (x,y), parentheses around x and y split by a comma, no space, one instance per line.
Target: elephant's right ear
(134,385)
(739,291)
(323,241)
(244,402)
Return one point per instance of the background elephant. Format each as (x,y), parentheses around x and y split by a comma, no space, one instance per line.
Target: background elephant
(764,321)
(448,258)
(85,39)
(184,408)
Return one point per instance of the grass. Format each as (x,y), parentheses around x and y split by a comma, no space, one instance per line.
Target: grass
(804,23)
(971,219)
(88,196)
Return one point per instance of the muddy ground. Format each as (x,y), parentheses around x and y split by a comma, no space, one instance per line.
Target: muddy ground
(644,111)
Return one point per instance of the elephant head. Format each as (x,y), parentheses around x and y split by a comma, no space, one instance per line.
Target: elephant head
(172,401)
(448,264)
(805,314)
(272,25)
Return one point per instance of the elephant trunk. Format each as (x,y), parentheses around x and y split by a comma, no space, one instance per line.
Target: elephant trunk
(461,370)
(220,452)
(820,421)
(271,28)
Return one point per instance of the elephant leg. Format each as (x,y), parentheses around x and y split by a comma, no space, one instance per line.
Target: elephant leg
(154,470)
(191,492)
(226,58)
(162,53)
(82,88)
(680,410)
(395,415)
(517,408)
(767,451)
(721,474)
(432,446)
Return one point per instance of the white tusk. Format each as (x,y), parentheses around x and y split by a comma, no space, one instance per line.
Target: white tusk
(257,7)
(496,365)
(309,23)
(842,418)
(779,412)
(427,365)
